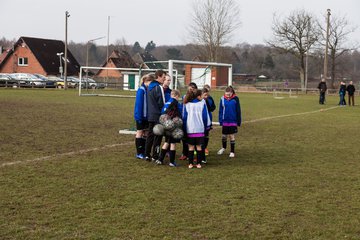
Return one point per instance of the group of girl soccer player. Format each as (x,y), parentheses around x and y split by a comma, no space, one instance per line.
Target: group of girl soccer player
(196,114)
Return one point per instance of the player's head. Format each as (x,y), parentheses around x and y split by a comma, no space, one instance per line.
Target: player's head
(229,91)
(205,93)
(167,81)
(146,79)
(160,76)
(175,93)
(192,87)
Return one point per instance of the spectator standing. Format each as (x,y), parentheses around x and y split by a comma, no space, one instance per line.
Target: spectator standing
(322,88)
(351,91)
(342,93)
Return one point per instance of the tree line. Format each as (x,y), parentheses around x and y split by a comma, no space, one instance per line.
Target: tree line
(294,52)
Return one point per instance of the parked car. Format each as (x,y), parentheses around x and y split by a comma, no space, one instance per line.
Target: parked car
(91,83)
(72,82)
(29,79)
(7,81)
(49,83)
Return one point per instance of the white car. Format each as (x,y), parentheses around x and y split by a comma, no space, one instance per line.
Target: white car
(29,79)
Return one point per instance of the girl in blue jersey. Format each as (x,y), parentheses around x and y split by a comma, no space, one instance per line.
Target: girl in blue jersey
(196,121)
(185,148)
(174,109)
(229,119)
(140,115)
(211,107)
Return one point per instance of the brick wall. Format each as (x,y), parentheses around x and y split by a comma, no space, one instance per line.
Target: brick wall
(11,65)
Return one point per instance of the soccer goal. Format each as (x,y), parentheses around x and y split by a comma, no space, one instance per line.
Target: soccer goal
(202,73)
(107,81)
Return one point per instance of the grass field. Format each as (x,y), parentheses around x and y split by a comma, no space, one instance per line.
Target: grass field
(66,173)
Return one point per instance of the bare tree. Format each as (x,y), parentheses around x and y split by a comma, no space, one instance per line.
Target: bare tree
(339,30)
(295,35)
(213,23)
(121,44)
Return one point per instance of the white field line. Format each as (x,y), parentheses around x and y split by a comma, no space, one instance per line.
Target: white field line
(126,143)
(39,159)
(290,115)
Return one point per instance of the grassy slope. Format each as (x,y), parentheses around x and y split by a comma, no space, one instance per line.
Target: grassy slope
(293,177)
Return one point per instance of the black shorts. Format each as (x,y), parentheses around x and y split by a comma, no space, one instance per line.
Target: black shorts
(195,141)
(229,130)
(142,126)
(169,139)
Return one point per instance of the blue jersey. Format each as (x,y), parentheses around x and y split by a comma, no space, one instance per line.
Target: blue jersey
(140,109)
(230,111)
(167,94)
(167,104)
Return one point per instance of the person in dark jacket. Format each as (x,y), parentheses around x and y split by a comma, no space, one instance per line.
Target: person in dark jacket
(155,101)
(351,90)
(342,93)
(322,88)
(140,115)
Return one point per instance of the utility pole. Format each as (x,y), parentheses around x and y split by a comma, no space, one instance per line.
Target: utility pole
(107,48)
(327,44)
(67,15)
(87,53)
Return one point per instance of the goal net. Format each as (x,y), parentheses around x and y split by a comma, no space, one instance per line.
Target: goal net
(107,81)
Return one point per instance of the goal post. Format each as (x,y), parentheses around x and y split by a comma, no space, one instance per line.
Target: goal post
(229,66)
(107,81)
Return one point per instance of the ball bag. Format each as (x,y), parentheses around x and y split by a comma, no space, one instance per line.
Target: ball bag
(159,130)
(163,118)
(169,125)
(178,122)
(177,133)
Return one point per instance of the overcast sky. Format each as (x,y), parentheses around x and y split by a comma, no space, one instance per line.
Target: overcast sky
(162,21)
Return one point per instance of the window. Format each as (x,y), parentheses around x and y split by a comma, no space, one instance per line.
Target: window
(22,61)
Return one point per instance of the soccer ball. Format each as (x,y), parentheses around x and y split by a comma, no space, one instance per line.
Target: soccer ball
(169,125)
(163,118)
(177,133)
(159,130)
(178,122)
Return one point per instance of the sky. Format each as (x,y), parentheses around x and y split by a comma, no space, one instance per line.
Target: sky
(165,22)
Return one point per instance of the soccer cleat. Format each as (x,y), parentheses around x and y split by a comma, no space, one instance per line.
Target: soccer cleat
(183,157)
(140,156)
(147,159)
(172,164)
(203,161)
(198,165)
(191,166)
(232,155)
(206,152)
(221,151)
(158,162)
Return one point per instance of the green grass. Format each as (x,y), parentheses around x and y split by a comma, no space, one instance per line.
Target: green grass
(294,177)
